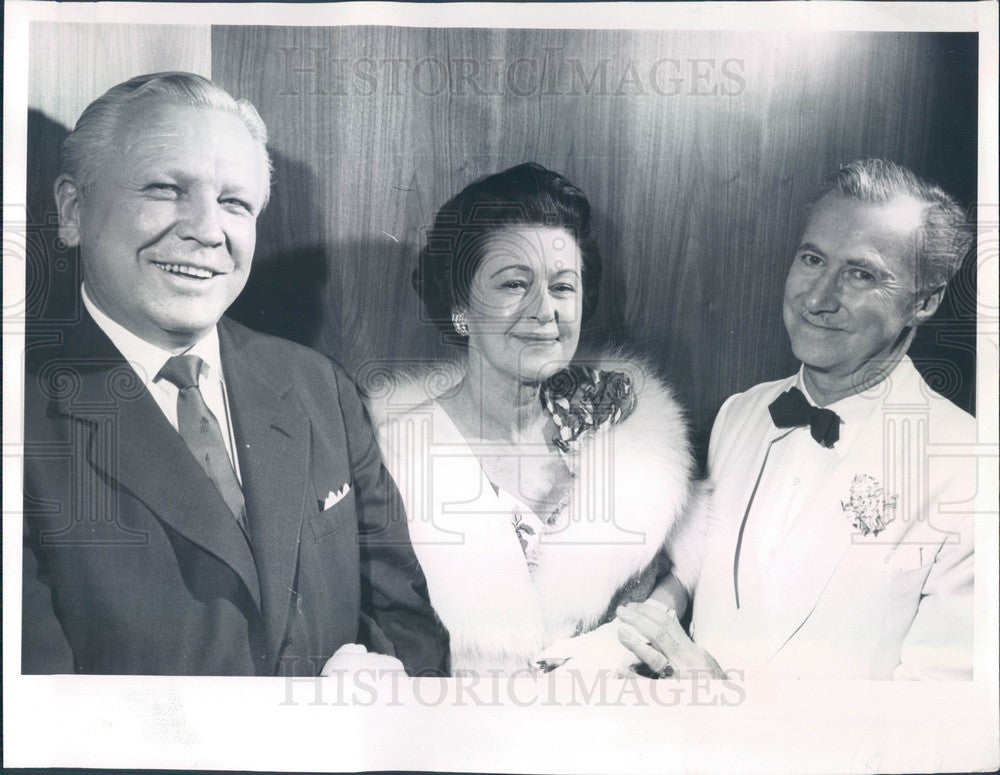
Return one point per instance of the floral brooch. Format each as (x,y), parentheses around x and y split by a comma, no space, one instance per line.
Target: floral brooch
(581,399)
(869,507)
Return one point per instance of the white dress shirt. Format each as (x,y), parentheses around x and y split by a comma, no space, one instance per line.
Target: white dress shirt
(147,359)
(795,469)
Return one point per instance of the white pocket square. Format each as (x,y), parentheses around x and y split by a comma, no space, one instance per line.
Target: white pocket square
(335,497)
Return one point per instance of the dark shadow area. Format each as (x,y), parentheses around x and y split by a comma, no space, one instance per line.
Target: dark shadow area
(284,296)
(944,349)
(605,327)
(52,270)
(375,319)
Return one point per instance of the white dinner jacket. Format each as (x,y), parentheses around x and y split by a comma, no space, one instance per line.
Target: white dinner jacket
(836,603)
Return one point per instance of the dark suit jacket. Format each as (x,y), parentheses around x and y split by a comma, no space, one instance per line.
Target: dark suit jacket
(134,564)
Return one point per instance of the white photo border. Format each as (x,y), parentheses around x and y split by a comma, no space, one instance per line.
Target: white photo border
(271,725)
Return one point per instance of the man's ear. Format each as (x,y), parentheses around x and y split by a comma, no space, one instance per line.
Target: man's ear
(927,304)
(67,195)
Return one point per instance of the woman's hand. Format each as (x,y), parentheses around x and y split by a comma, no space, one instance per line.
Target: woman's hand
(669,653)
(589,654)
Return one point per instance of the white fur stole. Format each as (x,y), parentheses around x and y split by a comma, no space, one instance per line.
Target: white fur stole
(633,484)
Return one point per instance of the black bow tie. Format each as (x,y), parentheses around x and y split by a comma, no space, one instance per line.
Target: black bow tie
(792,410)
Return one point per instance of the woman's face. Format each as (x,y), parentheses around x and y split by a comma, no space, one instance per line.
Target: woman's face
(525,302)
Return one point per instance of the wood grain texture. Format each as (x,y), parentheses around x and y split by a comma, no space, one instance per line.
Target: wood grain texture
(70,65)
(699,152)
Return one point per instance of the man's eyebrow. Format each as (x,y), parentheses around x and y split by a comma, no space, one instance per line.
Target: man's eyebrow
(875,267)
(152,168)
(809,247)
(236,188)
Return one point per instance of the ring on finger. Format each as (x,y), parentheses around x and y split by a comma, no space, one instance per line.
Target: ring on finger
(665,669)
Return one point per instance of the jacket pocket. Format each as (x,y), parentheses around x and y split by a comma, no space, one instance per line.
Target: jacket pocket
(908,558)
(332,519)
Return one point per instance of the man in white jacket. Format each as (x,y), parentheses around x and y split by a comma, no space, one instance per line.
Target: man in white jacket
(842,544)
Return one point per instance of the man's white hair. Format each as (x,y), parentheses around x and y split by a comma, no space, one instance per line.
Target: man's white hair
(945,236)
(84,149)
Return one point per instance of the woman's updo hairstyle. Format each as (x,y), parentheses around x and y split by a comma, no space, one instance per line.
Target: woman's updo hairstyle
(525,195)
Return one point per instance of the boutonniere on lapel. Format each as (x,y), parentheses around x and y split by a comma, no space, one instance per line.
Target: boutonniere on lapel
(868,506)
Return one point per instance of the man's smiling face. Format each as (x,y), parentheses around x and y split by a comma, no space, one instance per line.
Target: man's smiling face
(167,231)
(851,289)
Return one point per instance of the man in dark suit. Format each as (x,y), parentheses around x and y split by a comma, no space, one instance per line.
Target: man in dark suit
(199,498)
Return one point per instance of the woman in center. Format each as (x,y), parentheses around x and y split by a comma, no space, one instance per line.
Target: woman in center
(542,488)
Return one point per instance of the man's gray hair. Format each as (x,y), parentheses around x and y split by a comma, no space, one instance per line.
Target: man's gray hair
(945,236)
(84,148)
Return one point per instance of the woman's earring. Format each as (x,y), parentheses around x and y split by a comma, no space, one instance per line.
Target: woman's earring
(458,320)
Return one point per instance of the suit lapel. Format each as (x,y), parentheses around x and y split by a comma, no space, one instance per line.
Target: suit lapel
(274,439)
(744,561)
(809,555)
(718,619)
(822,532)
(744,464)
(745,627)
(133,443)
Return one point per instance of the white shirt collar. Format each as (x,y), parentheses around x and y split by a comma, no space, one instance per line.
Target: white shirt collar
(855,410)
(146,358)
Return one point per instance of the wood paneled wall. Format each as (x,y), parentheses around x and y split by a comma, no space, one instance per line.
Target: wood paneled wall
(70,65)
(699,152)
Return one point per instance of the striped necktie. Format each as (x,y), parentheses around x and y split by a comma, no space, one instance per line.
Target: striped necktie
(201,432)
